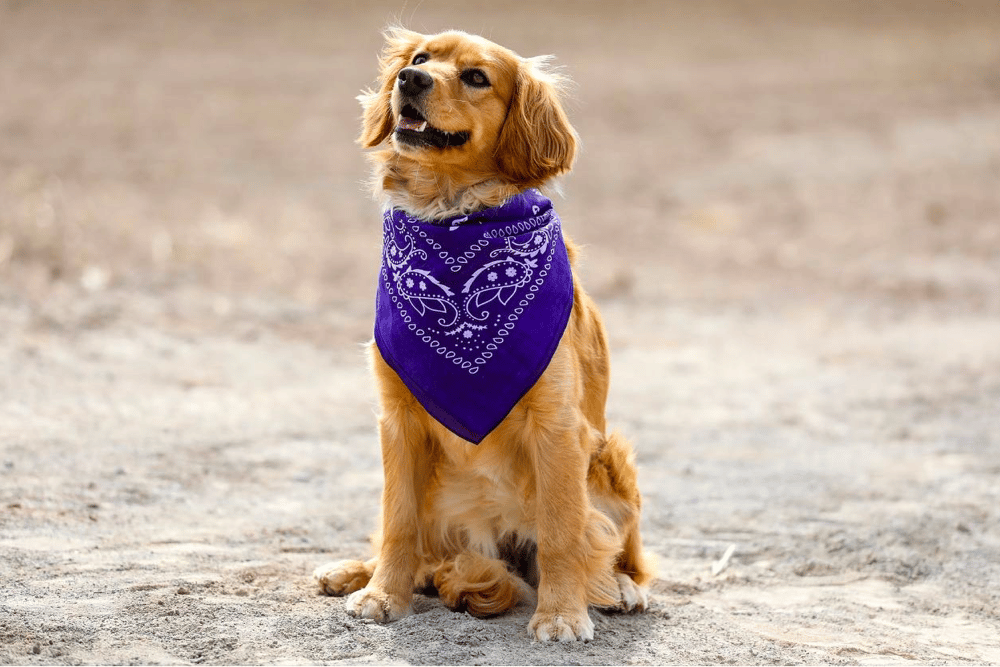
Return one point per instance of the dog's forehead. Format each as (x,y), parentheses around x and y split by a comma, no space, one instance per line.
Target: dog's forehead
(469,49)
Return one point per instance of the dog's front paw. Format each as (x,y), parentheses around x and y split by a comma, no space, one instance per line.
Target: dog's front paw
(377,605)
(562,626)
(342,577)
(634,596)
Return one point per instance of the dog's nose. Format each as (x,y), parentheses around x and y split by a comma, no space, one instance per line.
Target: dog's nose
(413,81)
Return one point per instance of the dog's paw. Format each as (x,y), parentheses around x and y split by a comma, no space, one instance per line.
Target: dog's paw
(377,605)
(562,626)
(634,596)
(342,577)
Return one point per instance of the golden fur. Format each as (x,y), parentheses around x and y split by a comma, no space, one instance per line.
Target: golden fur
(549,499)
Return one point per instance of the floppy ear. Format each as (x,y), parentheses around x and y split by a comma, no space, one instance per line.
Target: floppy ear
(536,142)
(376,119)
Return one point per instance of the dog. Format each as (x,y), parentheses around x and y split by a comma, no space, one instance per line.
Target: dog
(525,501)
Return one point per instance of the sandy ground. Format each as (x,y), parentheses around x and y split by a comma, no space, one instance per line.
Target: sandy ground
(792,220)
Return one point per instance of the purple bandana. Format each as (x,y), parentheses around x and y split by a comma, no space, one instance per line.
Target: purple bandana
(470,310)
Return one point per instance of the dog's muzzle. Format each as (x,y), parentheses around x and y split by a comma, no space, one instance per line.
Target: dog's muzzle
(412,127)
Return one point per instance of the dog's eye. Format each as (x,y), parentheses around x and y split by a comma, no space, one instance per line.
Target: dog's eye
(420,59)
(475,78)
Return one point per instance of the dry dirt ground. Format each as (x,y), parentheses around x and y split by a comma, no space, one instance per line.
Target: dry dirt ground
(792,220)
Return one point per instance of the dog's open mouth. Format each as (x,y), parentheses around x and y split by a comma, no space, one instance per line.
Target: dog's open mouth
(412,128)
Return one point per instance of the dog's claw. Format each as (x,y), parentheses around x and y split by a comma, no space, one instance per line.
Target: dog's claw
(634,597)
(566,627)
(376,605)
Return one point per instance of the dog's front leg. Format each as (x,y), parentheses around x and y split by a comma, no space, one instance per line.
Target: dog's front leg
(388,594)
(562,516)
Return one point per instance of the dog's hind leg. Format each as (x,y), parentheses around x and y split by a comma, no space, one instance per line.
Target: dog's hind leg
(633,574)
(344,577)
(612,486)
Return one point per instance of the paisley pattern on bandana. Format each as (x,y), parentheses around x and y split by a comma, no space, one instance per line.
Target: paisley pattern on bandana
(470,310)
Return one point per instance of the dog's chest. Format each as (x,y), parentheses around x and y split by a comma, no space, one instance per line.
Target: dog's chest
(481,490)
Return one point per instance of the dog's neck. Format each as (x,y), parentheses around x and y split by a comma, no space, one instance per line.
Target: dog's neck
(435,193)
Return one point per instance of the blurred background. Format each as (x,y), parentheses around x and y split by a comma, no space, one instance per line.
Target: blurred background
(791,220)
(194,161)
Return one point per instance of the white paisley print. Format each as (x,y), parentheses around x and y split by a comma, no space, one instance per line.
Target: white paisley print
(463,301)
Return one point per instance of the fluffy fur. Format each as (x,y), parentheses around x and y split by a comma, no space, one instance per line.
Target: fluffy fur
(546,509)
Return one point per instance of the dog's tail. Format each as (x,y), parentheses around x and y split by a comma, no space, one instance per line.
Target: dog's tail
(482,586)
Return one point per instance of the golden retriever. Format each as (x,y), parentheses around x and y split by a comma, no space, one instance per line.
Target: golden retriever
(545,509)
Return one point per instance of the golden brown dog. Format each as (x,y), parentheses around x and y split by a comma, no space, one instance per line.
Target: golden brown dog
(548,500)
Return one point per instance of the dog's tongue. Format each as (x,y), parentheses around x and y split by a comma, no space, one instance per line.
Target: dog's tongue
(412,124)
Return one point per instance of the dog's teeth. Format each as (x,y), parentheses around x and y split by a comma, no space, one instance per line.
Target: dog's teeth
(411,124)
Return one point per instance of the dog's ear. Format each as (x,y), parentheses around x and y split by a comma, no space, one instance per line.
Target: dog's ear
(536,142)
(376,119)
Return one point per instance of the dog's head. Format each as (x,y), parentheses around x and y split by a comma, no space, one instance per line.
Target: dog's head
(458,102)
